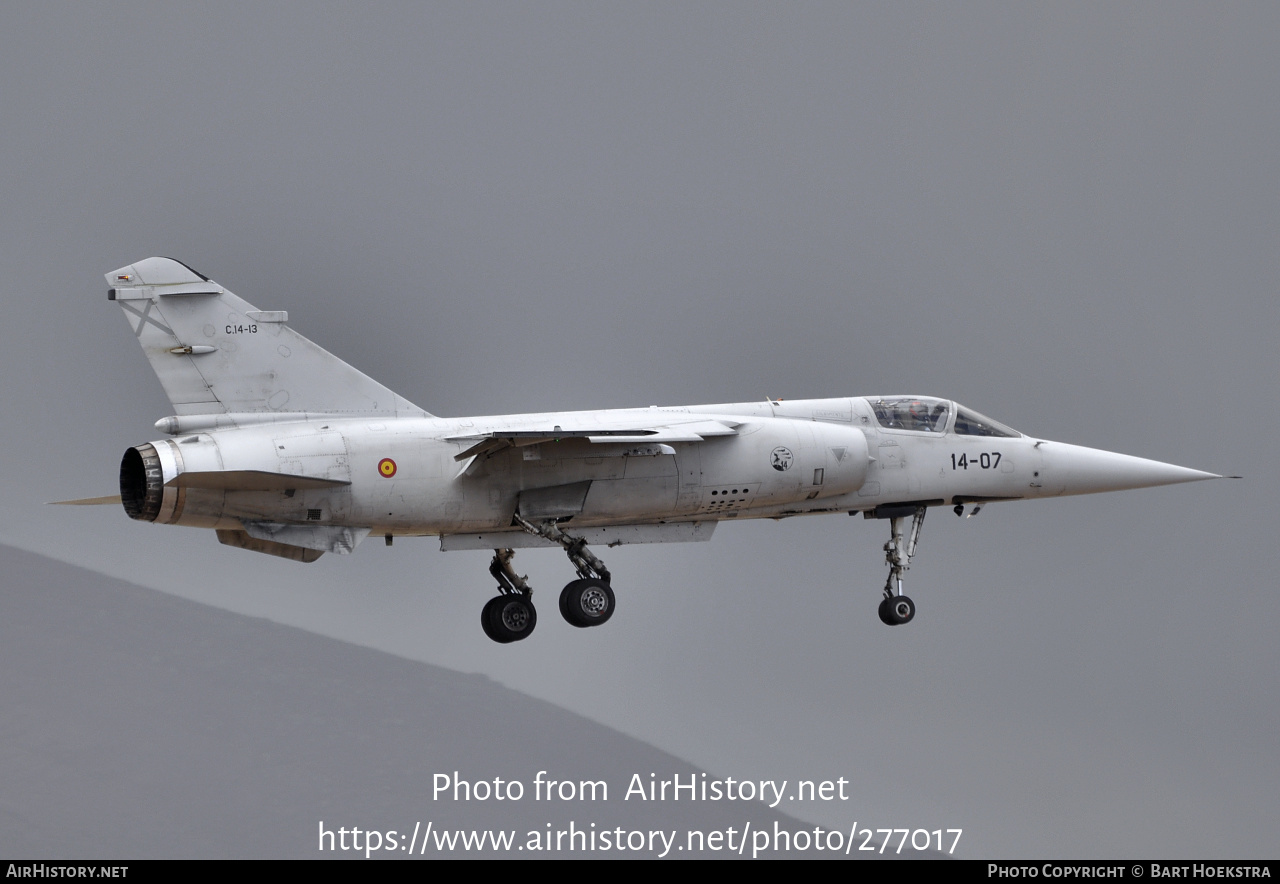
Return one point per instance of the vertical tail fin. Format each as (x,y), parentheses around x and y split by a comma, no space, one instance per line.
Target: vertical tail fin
(217,354)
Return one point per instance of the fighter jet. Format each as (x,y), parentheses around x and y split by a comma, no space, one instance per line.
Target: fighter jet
(281,448)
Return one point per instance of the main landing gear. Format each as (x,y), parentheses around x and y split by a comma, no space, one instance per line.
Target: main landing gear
(587,601)
(896,608)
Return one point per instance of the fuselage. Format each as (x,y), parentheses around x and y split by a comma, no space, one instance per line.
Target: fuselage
(408,476)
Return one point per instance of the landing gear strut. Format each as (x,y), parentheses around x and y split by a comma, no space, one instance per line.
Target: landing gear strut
(589,600)
(896,608)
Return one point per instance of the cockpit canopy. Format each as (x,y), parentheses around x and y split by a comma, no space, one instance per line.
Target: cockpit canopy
(916,413)
(927,415)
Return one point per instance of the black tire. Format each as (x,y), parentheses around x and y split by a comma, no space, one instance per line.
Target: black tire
(509,618)
(897,610)
(885,616)
(587,602)
(487,617)
(564,602)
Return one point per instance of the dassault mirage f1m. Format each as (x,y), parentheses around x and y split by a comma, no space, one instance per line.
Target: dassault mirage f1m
(282,448)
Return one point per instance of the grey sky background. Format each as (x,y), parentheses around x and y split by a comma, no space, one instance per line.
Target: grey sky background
(1063,215)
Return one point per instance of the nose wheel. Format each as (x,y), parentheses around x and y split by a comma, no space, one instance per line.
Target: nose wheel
(897,610)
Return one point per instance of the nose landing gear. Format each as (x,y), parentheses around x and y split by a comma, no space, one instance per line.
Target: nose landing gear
(896,608)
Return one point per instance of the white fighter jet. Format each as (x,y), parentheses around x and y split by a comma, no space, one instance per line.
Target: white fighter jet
(282,448)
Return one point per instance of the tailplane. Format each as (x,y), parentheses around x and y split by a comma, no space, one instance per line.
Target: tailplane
(217,354)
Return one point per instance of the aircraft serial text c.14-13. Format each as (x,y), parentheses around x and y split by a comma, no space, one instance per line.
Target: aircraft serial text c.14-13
(282,448)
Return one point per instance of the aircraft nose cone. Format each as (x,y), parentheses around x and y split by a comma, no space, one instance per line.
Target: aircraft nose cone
(1077,470)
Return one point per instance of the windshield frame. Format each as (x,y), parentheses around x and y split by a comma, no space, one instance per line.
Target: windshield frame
(965,416)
